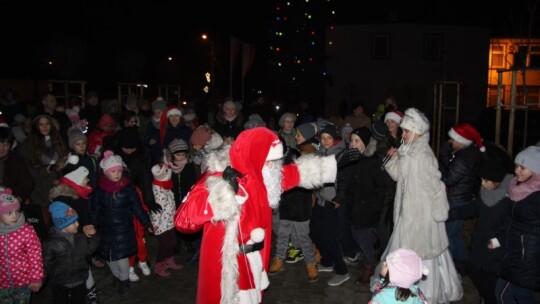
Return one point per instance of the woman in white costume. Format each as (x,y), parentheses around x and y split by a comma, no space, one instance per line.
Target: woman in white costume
(420,210)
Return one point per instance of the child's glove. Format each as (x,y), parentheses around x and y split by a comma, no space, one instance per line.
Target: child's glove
(348,157)
(154,207)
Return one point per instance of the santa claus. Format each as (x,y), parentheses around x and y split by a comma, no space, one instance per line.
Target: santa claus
(233,203)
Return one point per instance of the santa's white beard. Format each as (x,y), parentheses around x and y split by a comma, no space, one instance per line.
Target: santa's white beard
(272,181)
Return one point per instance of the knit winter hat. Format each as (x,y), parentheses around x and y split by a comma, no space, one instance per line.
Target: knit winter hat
(254,121)
(307,130)
(200,136)
(415,121)
(74,135)
(405,267)
(529,158)
(364,134)
(492,170)
(110,161)
(393,115)
(8,202)
(161,172)
(289,115)
(466,134)
(379,129)
(77,176)
(178,145)
(62,215)
(330,129)
(159,104)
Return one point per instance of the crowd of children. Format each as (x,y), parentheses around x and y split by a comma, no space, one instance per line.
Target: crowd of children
(70,201)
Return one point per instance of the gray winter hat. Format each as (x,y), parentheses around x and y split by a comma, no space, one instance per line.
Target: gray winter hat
(307,130)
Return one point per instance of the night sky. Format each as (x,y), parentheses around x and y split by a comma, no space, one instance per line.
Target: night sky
(104,42)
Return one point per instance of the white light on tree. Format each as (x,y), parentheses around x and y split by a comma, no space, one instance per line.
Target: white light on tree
(208,77)
(206,89)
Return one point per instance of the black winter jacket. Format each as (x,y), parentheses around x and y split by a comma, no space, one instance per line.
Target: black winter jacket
(361,188)
(521,264)
(66,263)
(460,171)
(112,215)
(489,219)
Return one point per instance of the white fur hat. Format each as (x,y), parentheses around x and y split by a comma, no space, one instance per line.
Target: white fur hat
(415,121)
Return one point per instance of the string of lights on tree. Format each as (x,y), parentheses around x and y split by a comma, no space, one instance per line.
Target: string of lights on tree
(297,39)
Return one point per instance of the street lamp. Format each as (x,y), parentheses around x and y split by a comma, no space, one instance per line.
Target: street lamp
(212,78)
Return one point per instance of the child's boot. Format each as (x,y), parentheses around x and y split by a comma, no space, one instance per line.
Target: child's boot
(277,266)
(312,272)
(171,264)
(123,287)
(161,270)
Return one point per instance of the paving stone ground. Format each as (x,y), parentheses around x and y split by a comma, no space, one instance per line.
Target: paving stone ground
(287,287)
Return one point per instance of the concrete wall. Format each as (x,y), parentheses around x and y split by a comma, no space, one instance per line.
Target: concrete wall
(406,74)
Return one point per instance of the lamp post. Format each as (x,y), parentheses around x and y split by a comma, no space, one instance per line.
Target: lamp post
(212,78)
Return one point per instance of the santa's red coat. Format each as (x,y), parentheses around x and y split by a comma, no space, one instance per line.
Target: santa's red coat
(247,155)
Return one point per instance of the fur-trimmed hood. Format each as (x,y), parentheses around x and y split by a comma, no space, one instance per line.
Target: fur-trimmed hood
(62,190)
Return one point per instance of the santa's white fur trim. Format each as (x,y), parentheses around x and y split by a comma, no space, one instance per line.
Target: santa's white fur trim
(215,142)
(316,170)
(229,272)
(257,235)
(222,199)
(218,160)
(260,277)
(224,207)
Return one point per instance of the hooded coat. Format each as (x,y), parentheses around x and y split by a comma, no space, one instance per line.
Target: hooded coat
(226,274)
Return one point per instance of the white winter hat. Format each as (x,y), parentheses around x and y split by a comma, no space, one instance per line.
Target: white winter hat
(415,121)
(110,161)
(161,172)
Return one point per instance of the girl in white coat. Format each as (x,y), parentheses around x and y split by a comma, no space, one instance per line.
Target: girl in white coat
(420,210)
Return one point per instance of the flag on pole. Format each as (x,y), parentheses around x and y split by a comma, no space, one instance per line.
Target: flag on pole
(248,56)
(235,48)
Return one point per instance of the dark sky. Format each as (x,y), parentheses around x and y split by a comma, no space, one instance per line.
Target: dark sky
(104,30)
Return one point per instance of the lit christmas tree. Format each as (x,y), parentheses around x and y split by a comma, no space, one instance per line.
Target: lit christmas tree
(297,47)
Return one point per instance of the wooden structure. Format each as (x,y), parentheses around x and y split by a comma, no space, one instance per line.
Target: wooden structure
(125,89)
(446,107)
(170,92)
(63,89)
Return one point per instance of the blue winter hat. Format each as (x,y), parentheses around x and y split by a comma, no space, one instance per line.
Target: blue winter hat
(62,215)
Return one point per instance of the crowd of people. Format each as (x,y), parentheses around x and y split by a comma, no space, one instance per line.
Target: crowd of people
(82,187)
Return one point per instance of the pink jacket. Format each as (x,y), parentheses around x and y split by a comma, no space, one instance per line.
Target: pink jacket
(20,257)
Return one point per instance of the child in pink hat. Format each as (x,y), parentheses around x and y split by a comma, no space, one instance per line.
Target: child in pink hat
(399,274)
(21,262)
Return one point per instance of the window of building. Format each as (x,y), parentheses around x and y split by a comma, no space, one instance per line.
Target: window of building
(432,47)
(380,46)
(497,56)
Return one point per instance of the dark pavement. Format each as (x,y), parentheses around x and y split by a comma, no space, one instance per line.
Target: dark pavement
(287,287)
